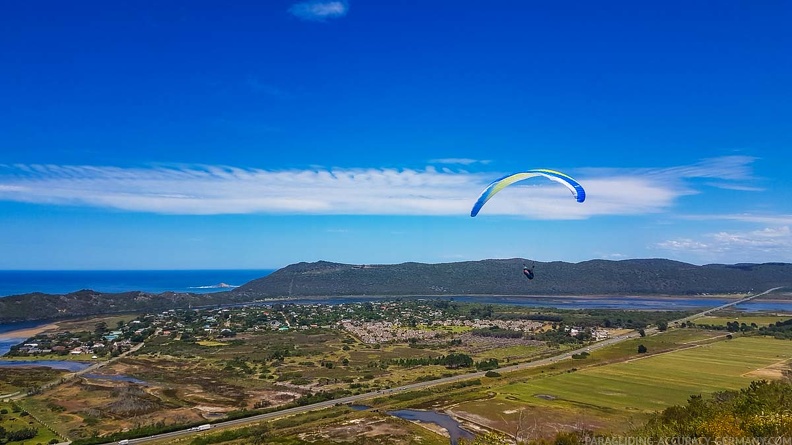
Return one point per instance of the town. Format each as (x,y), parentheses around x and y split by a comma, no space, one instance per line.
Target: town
(392,321)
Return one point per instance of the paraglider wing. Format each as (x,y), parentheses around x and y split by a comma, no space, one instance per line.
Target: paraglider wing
(500,184)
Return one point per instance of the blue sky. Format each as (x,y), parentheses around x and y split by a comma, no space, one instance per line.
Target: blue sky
(208,134)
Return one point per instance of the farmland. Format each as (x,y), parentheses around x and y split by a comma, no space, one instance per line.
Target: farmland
(749,319)
(210,365)
(607,397)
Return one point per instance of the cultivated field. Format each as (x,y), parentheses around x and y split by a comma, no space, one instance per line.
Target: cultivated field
(616,386)
(655,382)
(759,320)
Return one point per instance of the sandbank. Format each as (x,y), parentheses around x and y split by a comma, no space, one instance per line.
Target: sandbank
(28,332)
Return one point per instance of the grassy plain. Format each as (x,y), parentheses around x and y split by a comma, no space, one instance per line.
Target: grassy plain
(655,382)
(616,385)
(759,320)
(89,324)
(21,379)
(15,421)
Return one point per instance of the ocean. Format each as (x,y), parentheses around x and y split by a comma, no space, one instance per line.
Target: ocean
(15,282)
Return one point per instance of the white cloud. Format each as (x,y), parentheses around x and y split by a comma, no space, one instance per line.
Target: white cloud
(460,161)
(319,10)
(205,190)
(736,168)
(738,187)
(745,217)
(614,256)
(748,244)
(685,244)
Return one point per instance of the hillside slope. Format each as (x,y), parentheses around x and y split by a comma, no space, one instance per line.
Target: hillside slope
(504,277)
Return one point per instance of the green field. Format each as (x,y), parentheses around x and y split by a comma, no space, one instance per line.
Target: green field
(655,382)
(12,419)
(759,320)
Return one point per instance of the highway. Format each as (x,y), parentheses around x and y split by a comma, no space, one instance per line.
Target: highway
(422,385)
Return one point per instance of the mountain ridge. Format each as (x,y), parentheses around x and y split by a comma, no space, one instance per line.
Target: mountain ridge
(652,276)
(504,277)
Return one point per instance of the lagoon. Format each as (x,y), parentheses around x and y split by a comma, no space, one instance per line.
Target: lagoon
(116,378)
(564,302)
(68,365)
(444,420)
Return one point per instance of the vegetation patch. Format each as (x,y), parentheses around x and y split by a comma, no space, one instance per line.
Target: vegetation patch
(18,426)
(749,319)
(26,379)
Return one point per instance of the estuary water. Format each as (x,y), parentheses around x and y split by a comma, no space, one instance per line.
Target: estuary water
(68,365)
(763,304)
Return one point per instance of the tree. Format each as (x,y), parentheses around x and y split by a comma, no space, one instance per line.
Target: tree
(260,433)
(642,349)
(642,332)
(662,325)
(100,328)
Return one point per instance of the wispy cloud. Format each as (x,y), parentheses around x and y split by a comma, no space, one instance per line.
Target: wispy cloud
(614,256)
(738,187)
(319,10)
(204,190)
(458,161)
(744,217)
(737,168)
(762,241)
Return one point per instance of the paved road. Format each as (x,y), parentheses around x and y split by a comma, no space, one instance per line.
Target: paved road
(422,385)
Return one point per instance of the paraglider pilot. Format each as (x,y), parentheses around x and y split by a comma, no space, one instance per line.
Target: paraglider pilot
(529,272)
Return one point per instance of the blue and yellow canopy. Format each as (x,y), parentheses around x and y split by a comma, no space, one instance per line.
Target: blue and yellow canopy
(500,184)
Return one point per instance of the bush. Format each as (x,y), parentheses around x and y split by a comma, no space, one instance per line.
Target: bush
(642,349)
(492,374)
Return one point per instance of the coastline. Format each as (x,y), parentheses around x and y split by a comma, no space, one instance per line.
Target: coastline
(26,333)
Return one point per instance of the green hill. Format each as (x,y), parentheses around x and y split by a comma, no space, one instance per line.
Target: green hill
(504,277)
(486,277)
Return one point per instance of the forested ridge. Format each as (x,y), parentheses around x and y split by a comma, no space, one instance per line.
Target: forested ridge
(486,277)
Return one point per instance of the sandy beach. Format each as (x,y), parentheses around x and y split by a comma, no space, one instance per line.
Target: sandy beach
(28,332)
